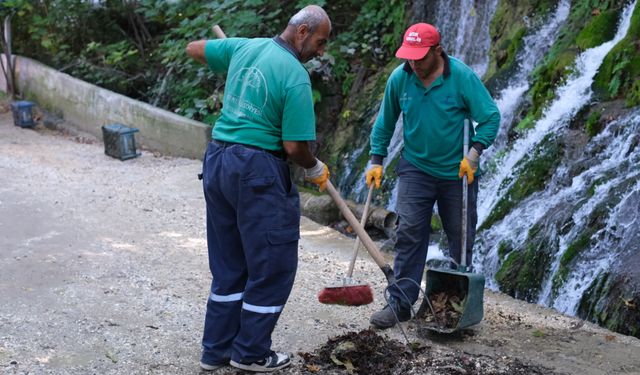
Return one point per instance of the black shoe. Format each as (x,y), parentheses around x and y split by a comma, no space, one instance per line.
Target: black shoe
(385,318)
(273,362)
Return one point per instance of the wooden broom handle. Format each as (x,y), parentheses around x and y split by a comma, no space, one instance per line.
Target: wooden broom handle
(351,219)
(218,31)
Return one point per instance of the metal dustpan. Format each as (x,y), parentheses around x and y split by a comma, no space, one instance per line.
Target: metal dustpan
(465,287)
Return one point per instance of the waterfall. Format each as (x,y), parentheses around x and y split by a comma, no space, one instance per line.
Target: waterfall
(612,167)
(395,146)
(464,28)
(619,158)
(570,98)
(534,47)
(348,169)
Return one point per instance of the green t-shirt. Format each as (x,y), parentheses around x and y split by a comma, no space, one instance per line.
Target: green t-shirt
(433,117)
(267,96)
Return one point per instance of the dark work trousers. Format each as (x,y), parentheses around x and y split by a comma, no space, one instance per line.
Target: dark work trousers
(253,227)
(417,193)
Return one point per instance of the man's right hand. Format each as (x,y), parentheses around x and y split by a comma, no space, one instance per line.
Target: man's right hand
(374,174)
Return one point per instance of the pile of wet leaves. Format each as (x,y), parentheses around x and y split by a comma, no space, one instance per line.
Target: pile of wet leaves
(366,352)
(448,307)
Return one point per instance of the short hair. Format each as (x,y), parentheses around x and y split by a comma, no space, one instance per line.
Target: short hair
(312,16)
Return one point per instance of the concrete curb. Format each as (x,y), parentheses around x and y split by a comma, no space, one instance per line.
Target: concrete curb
(88,107)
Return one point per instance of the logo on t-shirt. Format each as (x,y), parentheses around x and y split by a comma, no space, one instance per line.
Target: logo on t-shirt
(247,91)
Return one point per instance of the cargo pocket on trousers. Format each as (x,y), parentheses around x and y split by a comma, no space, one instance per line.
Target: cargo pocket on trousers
(284,248)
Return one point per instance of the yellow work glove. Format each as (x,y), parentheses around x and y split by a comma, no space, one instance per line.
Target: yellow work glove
(374,174)
(469,165)
(318,174)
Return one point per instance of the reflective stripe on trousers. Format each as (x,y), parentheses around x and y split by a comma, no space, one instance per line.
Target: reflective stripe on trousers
(253,227)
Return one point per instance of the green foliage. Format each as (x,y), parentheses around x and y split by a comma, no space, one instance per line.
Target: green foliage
(527,123)
(633,95)
(436,223)
(137,48)
(504,248)
(317,96)
(373,33)
(538,333)
(549,76)
(510,23)
(593,125)
(619,73)
(598,30)
(589,24)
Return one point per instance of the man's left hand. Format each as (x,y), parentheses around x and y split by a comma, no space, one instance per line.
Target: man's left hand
(319,174)
(469,165)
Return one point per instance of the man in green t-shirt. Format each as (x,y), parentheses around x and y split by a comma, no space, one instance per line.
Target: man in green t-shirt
(435,93)
(253,208)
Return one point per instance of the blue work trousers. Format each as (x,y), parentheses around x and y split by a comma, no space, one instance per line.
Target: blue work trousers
(417,194)
(253,228)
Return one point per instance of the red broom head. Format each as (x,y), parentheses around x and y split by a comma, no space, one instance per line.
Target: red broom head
(353,295)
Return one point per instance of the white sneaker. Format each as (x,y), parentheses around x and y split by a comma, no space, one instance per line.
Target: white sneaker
(207,367)
(273,362)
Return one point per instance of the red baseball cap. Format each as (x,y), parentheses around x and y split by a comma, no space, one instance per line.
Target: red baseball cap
(417,41)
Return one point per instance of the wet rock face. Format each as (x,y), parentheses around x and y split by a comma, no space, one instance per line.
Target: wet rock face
(613,299)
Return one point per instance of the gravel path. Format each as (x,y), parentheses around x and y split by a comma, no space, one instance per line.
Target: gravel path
(103,270)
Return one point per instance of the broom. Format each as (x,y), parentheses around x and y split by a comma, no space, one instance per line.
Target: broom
(355,295)
(350,293)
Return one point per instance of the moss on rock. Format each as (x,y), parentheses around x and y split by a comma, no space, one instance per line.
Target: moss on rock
(508,27)
(612,302)
(575,248)
(593,125)
(589,24)
(601,28)
(522,273)
(533,174)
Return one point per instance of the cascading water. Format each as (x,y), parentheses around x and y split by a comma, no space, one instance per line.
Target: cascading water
(570,98)
(619,158)
(464,25)
(395,146)
(534,47)
(609,171)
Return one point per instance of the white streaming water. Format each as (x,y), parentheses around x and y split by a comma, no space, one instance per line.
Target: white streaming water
(620,156)
(464,28)
(570,98)
(534,47)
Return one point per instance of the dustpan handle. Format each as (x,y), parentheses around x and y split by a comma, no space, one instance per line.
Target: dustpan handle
(465,149)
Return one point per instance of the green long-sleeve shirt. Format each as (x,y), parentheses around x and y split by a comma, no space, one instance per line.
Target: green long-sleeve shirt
(433,117)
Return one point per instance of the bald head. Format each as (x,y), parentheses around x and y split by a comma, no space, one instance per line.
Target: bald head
(308,32)
(312,15)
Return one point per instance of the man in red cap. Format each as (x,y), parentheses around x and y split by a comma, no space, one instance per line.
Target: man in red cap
(435,93)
